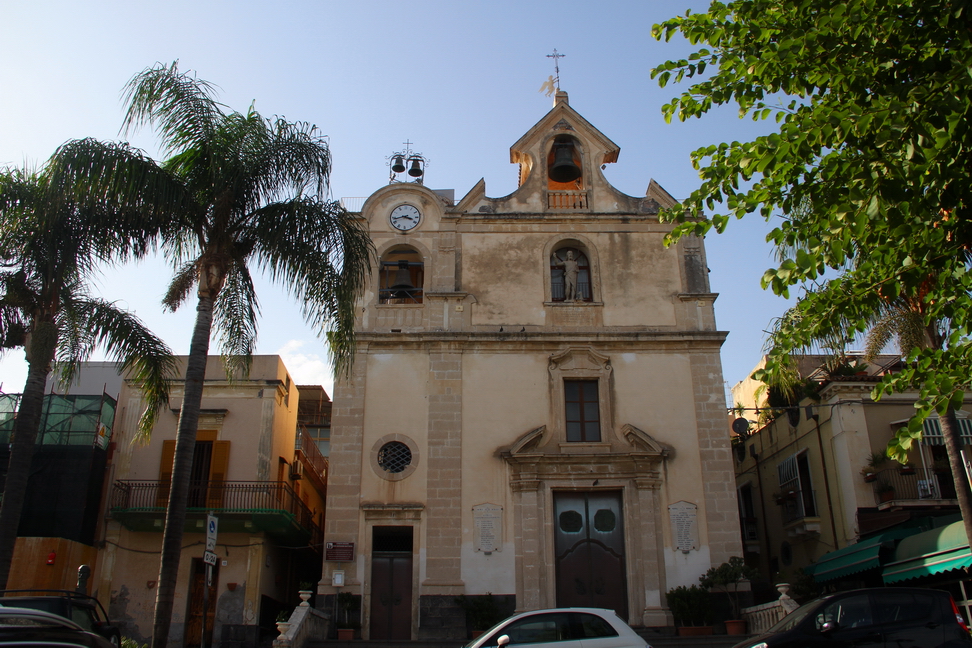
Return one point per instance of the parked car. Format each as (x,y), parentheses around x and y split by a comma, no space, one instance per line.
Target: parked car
(22,627)
(881,616)
(86,611)
(569,627)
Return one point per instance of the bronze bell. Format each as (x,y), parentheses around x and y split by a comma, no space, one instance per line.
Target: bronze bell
(563,168)
(398,164)
(415,171)
(402,286)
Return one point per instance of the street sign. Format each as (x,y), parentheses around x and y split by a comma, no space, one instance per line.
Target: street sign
(211,524)
(210,558)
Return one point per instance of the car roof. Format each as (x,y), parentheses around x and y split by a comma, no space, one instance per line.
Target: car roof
(40,616)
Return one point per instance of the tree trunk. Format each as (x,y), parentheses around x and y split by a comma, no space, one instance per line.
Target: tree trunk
(25,431)
(953,445)
(175,513)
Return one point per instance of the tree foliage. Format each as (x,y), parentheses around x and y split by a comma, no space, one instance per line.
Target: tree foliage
(237,190)
(51,241)
(872,102)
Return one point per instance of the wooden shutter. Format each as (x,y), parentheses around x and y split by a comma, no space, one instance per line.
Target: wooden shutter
(217,473)
(165,473)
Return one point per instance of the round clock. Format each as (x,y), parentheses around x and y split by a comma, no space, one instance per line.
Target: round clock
(405,217)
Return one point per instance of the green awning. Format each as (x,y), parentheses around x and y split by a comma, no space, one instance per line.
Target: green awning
(859,557)
(932,552)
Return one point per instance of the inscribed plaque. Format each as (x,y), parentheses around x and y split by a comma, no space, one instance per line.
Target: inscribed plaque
(488,527)
(684,518)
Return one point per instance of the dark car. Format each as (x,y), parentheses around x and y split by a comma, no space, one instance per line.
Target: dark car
(86,611)
(886,616)
(23,627)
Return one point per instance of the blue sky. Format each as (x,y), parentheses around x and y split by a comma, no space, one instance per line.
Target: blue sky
(459,80)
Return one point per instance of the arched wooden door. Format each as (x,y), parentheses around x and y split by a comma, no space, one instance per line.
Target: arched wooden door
(589,543)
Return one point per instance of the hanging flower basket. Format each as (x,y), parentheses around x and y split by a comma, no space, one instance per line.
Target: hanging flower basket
(907,469)
(870,477)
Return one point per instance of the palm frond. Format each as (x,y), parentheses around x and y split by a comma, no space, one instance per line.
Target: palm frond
(180,287)
(323,255)
(182,107)
(235,317)
(143,356)
(125,197)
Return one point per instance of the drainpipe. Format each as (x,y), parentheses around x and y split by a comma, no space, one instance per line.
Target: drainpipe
(823,466)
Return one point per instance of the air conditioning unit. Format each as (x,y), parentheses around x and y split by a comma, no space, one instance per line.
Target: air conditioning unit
(296,470)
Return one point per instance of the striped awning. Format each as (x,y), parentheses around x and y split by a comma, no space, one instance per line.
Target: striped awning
(932,552)
(858,557)
(932,433)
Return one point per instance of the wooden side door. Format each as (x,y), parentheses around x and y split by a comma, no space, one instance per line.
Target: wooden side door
(194,609)
(391,596)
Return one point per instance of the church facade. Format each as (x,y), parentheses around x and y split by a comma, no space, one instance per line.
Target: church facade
(536,406)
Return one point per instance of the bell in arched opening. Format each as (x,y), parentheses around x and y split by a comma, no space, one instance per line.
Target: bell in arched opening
(564,167)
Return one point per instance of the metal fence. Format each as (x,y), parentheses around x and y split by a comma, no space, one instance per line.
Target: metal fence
(219,496)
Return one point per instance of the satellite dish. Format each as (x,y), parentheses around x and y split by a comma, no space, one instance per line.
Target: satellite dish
(740,426)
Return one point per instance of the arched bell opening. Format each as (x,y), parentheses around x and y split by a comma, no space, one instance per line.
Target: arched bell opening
(564,165)
(401,277)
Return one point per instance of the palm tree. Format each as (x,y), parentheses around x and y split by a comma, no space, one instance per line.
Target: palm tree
(235,195)
(49,247)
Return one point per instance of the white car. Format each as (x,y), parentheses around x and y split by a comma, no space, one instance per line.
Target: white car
(561,628)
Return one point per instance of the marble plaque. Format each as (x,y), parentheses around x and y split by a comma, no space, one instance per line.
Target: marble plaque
(684,517)
(488,527)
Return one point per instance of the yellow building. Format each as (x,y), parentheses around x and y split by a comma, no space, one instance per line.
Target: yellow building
(816,491)
(262,476)
(536,407)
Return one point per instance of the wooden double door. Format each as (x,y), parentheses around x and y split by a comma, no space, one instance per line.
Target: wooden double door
(589,545)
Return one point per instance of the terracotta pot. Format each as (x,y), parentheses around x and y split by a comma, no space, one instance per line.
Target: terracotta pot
(886,496)
(694,631)
(869,477)
(345,634)
(735,627)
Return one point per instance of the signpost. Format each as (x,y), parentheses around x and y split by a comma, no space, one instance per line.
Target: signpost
(209,557)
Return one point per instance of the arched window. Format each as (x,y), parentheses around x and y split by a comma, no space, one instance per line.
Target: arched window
(570,276)
(401,277)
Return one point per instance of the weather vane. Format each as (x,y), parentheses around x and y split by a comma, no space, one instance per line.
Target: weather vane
(552,84)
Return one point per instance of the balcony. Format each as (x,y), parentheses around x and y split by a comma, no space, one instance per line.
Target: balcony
(897,488)
(800,514)
(242,507)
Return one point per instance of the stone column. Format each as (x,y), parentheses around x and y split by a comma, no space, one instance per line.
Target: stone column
(344,479)
(715,453)
(444,487)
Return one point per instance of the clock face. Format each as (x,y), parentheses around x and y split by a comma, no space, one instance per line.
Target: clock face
(405,217)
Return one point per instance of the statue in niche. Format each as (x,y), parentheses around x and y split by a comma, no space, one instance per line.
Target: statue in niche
(570,274)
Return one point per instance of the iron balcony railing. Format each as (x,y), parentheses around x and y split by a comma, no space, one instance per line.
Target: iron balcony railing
(222,497)
(799,504)
(307,446)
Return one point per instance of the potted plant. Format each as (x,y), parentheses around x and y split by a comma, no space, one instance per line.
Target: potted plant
(727,578)
(885,491)
(283,622)
(482,612)
(873,466)
(691,609)
(907,469)
(346,626)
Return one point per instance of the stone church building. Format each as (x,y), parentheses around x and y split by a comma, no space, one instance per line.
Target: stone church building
(536,407)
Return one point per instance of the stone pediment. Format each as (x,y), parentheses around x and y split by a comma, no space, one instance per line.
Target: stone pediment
(563,118)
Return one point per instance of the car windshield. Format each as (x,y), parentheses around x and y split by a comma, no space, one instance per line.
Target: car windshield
(794,618)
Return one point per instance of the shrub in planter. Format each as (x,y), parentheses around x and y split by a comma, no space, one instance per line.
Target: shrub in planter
(690,605)
(727,578)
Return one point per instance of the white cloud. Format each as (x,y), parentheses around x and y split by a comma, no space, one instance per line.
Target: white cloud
(307,368)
